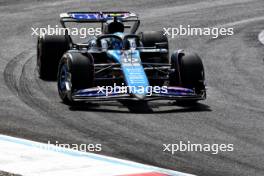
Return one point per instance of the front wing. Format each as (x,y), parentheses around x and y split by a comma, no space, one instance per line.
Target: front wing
(173,93)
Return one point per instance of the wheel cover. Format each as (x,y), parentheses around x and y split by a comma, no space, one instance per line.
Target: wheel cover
(65,80)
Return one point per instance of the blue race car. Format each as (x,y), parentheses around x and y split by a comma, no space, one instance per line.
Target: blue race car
(117,64)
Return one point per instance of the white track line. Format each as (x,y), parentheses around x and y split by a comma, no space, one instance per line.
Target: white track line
(244,21)
(179,9)
(30,158)
(261,34)
(261,37)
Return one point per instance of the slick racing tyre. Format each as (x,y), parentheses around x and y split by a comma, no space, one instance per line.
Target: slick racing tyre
(76,71)
(189,72)
(151,39)
(50,49)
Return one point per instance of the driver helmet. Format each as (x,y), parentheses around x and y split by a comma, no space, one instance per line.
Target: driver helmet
(114,27)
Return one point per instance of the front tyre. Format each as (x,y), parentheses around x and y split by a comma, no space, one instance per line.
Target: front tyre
(188,72)
(76,72)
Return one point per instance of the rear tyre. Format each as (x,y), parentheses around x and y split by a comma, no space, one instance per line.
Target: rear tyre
(50,49)
(149,39)
(76,71)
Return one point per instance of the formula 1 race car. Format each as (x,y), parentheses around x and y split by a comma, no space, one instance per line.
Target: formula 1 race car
(117,64)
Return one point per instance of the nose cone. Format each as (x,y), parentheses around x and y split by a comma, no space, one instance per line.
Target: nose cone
(140,96)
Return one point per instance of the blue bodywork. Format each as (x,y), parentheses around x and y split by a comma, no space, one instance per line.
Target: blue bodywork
(132,68)
(117,57)
(135,77)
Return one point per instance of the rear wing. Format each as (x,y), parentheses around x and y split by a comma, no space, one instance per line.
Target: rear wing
(100,17)
(97,16)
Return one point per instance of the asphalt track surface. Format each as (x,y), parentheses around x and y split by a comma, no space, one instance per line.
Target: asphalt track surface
(233,113)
